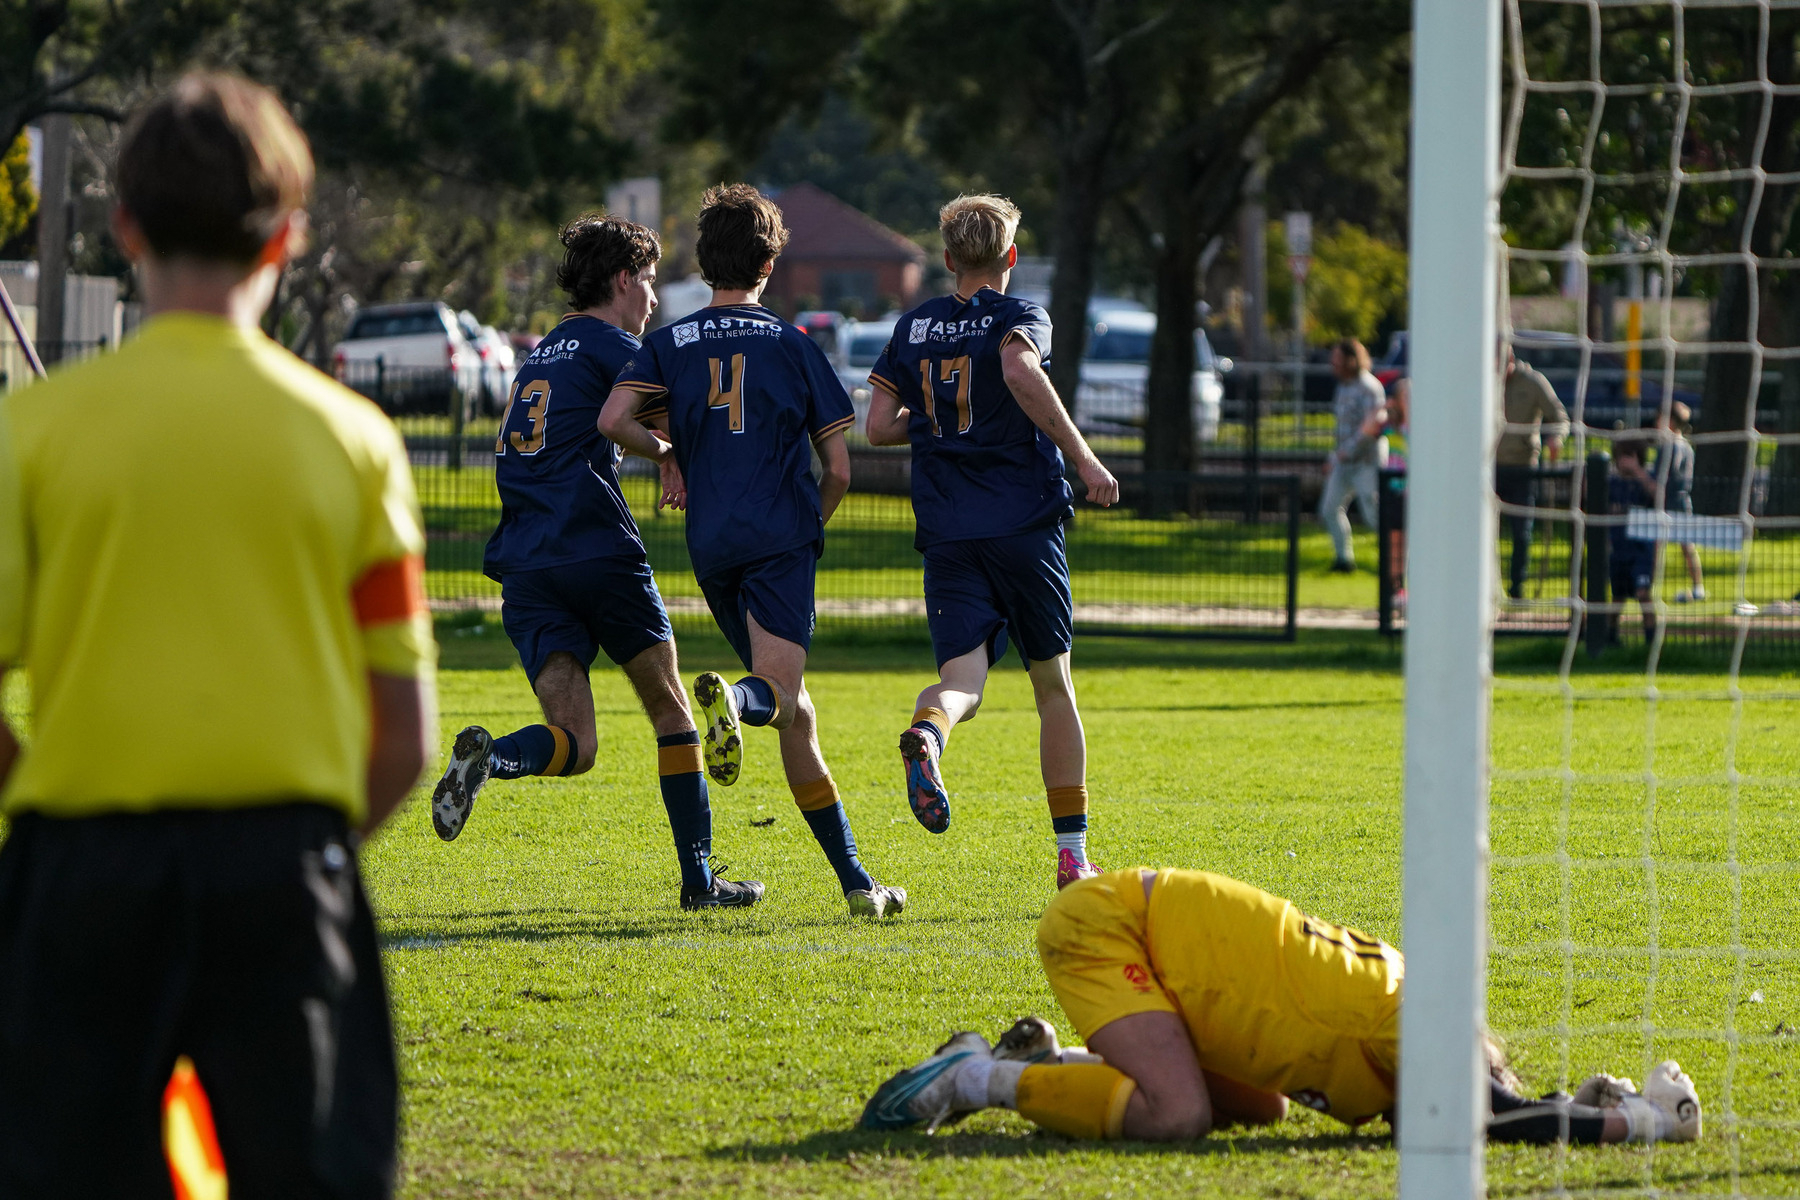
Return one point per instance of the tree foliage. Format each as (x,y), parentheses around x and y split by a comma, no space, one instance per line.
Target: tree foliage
(18,199)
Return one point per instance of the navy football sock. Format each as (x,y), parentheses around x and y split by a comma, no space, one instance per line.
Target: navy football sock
(824,813)
(755,700)
(533,750)
(684,796)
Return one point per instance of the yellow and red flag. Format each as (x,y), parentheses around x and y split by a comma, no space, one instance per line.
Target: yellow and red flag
(189,1141)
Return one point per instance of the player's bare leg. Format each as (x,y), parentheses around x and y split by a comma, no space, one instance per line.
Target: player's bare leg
(955,698)
(566,697)
(784,664)
(655,676)
(1062,756)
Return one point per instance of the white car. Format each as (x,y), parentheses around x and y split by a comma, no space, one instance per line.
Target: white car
(409,358)
(1115,371)
(862,343)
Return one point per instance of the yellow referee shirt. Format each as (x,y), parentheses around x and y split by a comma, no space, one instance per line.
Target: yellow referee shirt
(205,545)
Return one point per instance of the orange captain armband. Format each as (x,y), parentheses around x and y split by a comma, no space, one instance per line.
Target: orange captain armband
(390,591)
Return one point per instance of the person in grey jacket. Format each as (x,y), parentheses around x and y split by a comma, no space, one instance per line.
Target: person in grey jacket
(1352,466)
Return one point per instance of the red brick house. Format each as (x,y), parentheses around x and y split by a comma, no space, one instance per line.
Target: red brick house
(838,257)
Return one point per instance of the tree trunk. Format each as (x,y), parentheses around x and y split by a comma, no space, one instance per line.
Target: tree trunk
(1168,400)
(1077,229)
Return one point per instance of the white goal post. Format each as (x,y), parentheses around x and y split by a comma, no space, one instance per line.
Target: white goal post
(1451,564)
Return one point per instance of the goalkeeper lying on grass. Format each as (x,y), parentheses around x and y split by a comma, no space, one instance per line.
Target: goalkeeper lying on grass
(1205,1001)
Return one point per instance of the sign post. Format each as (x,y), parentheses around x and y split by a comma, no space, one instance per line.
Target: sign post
(1298,227)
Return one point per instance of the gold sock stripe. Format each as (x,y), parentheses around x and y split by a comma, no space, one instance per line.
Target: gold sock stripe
(774,690)
(1067,801)
(820,793)
(678,760)
(560,759)
(1115,1110)
(936,716)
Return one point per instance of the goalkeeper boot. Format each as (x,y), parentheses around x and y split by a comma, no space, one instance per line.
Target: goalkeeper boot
(721,732)
(454,797)
(1668,1109)
(877,900)
(1031,1040)
(924,782)
(723,893)
(926,1094)
(1069,869)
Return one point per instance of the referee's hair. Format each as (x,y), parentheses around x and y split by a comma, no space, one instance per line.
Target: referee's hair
(596,248)
(211,169)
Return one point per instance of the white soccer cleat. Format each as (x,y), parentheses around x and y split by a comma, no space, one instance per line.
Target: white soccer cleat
(1031,1040)
(878,900)
(926,1094)
(1603,1091)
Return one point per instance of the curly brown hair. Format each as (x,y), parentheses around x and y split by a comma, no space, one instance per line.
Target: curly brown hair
(740,231)
(596,248)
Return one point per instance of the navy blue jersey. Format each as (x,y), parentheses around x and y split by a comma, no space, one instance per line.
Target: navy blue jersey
(558,477)
(981,469)
(745,394)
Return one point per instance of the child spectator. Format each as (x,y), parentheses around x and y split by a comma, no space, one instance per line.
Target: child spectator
(1633,559)
(1678,487)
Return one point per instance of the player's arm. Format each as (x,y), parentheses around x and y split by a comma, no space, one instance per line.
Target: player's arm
(389,602)
(835,456)
(888,418)
(15,583)
(619,422)
(1022,367)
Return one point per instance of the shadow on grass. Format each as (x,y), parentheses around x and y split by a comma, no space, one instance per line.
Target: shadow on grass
(850,1144)
(428,932)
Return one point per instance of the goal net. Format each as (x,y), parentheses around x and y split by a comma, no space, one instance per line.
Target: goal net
(1634,804)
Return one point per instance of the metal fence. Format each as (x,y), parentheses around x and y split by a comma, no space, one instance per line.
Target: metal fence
(1183,556)
(1751,571)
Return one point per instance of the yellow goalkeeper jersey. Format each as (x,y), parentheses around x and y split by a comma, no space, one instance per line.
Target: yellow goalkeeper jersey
(205,545)
(1270,996)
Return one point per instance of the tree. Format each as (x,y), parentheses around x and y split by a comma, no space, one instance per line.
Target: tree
(1223,68)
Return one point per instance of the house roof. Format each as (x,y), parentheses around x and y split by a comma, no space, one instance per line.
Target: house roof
(822,226)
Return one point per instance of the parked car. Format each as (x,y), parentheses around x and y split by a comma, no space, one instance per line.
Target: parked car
(408,358)
(499,366)
(1115,370)
(826,328)
(862,343)
(1558,357)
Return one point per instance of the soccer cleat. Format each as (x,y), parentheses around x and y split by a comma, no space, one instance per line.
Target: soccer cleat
(1069,869)
(1675,1095)
(1603,1091)
(1031,1039)
(721,734)
(724,893)
(454,797)
(877,900)
(925,1094)
(924,783)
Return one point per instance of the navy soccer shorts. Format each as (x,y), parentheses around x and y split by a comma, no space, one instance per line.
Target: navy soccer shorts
(1633,567)
(582,608)
(778,590)
(981,592)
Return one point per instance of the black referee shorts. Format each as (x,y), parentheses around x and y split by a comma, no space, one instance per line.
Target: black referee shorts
(241,939)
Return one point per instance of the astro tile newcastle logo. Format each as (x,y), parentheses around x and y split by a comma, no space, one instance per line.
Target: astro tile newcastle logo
(921,326)
(686,334)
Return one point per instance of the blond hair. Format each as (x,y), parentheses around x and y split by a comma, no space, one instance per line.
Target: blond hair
(978,230)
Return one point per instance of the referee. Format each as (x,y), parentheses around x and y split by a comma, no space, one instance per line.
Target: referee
(210,561)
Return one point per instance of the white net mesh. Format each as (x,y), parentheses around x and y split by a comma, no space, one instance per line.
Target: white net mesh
(1645,869)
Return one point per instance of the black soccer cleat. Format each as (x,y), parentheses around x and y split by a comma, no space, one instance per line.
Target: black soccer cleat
(724,893)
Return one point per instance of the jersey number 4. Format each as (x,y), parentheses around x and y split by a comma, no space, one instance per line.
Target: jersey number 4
(949,370)
(732,398)
(536,396)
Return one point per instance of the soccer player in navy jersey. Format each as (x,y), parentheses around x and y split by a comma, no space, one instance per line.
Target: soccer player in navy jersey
(963,380)
(574,576)
(744,398)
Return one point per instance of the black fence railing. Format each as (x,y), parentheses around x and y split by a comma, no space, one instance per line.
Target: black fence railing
(1180,556)
(1712,580)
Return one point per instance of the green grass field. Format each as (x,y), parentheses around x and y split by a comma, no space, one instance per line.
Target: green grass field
(566,1031)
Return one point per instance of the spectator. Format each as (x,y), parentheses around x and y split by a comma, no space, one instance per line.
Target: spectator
(1675,467)
(1633,559)
(1352,468)
(216,586)
(1395,418)
(1528,401)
